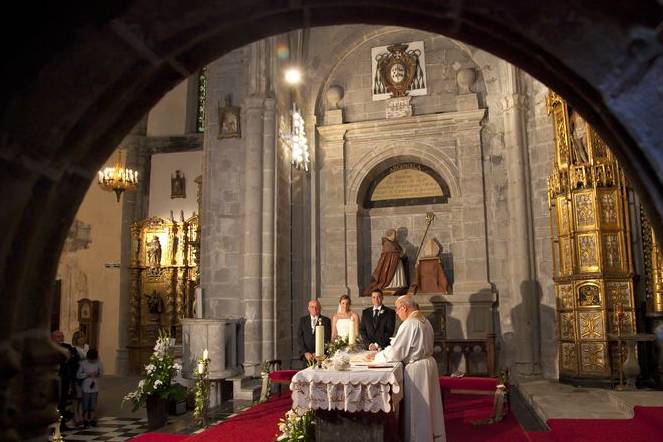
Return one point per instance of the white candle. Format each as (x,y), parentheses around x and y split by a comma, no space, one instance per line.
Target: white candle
(351,333)
(199,302)
(201,368)
(319,339)
(205,354)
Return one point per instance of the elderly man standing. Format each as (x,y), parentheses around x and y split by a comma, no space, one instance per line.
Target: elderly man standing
(306,330)
(413,345)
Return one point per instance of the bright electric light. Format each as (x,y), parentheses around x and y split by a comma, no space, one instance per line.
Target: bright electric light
(293,76)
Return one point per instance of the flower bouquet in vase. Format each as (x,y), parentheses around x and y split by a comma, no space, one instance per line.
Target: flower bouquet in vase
(157,386)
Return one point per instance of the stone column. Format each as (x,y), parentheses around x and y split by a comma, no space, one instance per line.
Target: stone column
(251,271)
(520,251)
(333,259)
(471,267)
(268,195)
(134,208)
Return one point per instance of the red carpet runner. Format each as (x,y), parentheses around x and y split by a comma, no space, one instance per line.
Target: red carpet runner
(259,423)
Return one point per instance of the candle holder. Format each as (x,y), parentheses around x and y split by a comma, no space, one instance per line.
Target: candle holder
(619,320)
(57,435)
(319,360)
(202,389)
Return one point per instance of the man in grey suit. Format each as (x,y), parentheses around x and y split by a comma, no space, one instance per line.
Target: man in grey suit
(377,323)
(306,330)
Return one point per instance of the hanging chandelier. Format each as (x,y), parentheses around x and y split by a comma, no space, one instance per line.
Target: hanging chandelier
(298,143)
(118,178)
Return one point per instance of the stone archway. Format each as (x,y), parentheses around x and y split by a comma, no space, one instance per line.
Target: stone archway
(81,78)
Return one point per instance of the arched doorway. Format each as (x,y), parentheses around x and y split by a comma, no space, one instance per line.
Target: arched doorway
(81,79)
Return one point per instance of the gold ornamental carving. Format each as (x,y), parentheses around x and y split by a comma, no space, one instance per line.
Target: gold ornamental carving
(568,357)
(619,293)
(584,204)
(590,229)
(565,300)
(593,358)
(591,325)
(609,213)
(567,329)
(612,251)
(587,253)
(566,256)
(163,274)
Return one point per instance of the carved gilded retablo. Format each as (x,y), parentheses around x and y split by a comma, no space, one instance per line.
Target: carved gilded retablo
(590,224)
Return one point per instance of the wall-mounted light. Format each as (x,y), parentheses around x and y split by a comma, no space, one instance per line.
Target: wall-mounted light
(293,76)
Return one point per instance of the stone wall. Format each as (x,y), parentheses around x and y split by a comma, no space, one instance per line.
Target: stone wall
(444,58)
(83,273)
(223,173)
(540,134)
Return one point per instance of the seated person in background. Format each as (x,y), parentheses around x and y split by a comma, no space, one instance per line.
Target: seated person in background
(377,323)
(344,319)
(306,330)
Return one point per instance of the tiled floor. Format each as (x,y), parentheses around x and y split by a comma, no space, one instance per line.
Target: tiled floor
(119,429)
(112,429)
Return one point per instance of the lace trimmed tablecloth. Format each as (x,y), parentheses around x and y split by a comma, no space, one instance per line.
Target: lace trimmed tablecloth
(358,389)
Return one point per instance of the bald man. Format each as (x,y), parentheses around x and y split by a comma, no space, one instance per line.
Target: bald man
(413,345)
(306,330)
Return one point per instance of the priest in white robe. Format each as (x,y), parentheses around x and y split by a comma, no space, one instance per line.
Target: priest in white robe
(413,345)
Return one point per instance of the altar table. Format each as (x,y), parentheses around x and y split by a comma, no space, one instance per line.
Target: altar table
(358,404)
(361,388)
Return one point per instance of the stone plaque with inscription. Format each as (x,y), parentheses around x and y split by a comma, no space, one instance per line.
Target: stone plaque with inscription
(407,184)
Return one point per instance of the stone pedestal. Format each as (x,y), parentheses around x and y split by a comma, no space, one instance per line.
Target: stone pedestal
(337,425)
(333,116)
(223,338)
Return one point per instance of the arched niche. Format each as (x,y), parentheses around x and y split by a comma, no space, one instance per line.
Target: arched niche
(415,189)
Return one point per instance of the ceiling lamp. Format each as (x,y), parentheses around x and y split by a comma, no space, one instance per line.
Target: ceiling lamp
(298,143)
(118,178)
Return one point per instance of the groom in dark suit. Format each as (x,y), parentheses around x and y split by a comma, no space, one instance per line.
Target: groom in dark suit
(377,323)
(306,330)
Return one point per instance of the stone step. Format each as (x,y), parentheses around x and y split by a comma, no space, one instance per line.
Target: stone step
(246,387)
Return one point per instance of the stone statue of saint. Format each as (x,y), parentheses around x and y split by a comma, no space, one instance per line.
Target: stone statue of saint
(154,252)
(431,277)
(390,271)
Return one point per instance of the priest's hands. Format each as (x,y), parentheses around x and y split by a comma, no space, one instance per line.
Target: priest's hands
(370,356)
(309,356)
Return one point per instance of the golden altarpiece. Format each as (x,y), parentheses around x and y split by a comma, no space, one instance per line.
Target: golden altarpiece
(164,270)
(591,230)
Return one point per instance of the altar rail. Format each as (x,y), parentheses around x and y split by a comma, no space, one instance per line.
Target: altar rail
(470,347)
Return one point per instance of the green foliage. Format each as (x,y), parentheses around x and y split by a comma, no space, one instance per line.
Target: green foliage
(332,347)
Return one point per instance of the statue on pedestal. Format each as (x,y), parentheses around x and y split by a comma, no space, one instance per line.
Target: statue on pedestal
(431,277)
(389,274)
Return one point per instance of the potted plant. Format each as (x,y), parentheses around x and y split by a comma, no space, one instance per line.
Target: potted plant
(157,385)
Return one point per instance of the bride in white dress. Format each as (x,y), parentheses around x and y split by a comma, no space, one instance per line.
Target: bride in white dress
(344,318)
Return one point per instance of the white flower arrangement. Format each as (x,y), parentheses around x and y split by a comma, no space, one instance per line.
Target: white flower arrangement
(297,425)
(158,376)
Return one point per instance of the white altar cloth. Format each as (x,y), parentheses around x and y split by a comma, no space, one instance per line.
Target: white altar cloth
(358,389)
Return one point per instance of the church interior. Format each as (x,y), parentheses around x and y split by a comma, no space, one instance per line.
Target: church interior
(204,172)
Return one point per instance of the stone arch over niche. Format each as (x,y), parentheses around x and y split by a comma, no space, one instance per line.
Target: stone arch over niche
(369,167)
(407,217)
